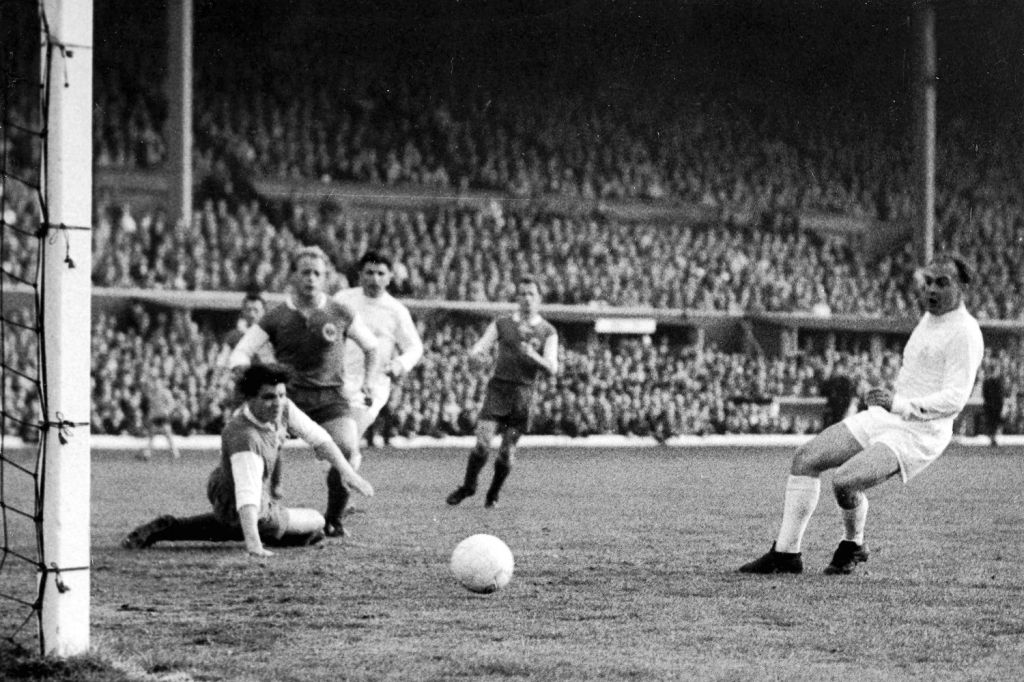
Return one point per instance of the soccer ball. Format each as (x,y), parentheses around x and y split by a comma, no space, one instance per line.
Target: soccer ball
(482,563)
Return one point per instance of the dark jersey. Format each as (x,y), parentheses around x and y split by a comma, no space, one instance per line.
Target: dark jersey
(511,365)
(312,347)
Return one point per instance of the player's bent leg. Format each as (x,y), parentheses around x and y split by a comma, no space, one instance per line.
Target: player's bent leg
(873,466)
(485,431)
(304,527)
(870,467)
(828,449)
(502,465)
(343,432)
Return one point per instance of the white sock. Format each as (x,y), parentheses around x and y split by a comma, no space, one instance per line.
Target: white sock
(801,499)
(854,520)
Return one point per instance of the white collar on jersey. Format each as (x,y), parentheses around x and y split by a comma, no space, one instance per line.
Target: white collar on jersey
(362,292)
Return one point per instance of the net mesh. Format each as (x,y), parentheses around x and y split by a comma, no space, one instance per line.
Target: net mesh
(22,241)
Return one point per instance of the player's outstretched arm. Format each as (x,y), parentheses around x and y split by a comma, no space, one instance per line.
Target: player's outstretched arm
(330,452)
(481,350)
(325,448)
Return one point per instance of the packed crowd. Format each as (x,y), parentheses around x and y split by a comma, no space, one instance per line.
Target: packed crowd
(742,151)
(475,254)
(644,386)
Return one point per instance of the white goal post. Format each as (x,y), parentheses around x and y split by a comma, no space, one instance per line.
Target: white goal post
(67,37)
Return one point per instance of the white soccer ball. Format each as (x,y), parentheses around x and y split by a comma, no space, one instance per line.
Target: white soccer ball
(482,563)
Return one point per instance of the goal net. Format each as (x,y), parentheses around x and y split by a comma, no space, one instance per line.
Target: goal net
(45,258)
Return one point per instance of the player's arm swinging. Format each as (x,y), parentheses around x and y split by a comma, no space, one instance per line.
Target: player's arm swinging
(481,350)
(549,360)
(367,342)
(252,340)
(410,347)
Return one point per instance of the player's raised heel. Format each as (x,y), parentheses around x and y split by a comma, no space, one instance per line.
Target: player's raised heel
(775,562)
(491,501)
(458,495)
(148,533)
(848,555)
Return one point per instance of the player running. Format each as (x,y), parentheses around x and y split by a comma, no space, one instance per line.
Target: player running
(399,344)
(903,430)
(527,345)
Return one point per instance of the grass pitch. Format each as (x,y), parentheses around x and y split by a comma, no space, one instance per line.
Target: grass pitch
(625,569)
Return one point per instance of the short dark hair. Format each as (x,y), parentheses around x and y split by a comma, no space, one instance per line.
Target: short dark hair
(254,295)
(376,258)
(257,376)
(964,271)
(526,280)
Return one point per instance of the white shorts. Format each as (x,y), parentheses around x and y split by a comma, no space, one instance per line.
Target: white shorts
(916,444)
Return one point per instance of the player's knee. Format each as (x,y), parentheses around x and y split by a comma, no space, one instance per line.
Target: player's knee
(806,462)
(507,455)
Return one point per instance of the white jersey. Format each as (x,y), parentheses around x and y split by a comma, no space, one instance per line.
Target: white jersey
(396,334)
(940,363)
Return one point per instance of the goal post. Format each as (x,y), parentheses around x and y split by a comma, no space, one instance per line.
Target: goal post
(67,64)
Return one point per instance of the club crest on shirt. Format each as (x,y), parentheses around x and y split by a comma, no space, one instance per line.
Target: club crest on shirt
(329,332)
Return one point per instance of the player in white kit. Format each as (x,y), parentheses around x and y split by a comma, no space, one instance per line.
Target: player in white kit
(399,343)
(903,430)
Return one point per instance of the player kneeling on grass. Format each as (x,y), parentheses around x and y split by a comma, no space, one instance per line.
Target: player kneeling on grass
(902,431)
(240,487)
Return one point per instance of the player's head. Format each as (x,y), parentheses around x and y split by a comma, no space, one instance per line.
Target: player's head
(309,271)
(253,307)
(374,273)
(528,295)
(264,388)
(942,282)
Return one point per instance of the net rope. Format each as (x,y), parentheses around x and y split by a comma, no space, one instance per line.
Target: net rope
(24,235)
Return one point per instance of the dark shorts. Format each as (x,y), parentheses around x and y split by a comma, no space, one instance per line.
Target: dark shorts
(273,521)
(508,404)
(320,404)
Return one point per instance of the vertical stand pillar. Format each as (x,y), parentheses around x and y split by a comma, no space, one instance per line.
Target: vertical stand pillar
(924,99)
(178,130)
